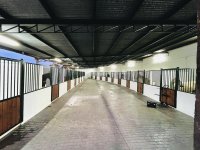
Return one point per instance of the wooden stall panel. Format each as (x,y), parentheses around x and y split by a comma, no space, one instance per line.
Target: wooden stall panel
(68,85)
(106,78)
(9,114)
(100,78)
(112,80)
(128,83)
(1,118)
(119,81)
(55,92)
(74,82)
(140,88)
(168,97)
(5,116)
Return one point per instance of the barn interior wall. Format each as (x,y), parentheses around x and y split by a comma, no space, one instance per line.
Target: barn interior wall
(184,57)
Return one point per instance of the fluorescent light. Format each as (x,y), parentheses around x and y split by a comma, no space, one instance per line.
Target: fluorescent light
(9,41)
(130,63)
(113,66)
(147,55)
(159,51)
(160,58)
(101,68)
(58,60)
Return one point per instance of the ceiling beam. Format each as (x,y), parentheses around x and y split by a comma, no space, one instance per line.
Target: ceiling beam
(175,9)
(94,9)
(160,40)
(150,44)
(36,49)
(137,7)
(114,42)
(170,43)
(97,22)
(8,16)
(181,44)
(53,16)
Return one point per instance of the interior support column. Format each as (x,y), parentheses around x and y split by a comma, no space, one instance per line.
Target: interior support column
(197,104)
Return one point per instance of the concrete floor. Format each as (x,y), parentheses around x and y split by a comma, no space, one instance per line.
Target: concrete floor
(98,115)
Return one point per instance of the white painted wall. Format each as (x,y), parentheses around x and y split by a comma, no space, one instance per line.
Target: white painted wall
(36,101)
(109,79)
(186,103)
(103,78)
(152,92)
(133,86)
(62,88)
(123,82)
(184,57)
(72,83)
(115,81)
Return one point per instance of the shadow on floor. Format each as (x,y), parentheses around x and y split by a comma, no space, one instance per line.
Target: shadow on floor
(22,135)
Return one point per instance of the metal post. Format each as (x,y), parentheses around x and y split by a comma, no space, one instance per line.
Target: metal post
(197,103)
(176,86)
(22,91)
(161,84)
(143,83)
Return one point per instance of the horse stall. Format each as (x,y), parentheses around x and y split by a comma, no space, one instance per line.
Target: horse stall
(119,78)
(186,91)
(104,76)
(115,77)
(11,106)
(112,77)
(133,82)
(128,79)
(91,75)
(68,79)
(95,75)
(140,81)
(109,77)
(152,84)
(100,75)
(55,83)
(169,86)
(123,79)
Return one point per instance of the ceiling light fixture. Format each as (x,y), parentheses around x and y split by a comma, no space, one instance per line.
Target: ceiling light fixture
(113,66)
(130,63)
(57,60)
(147,55)
(101,68)
(8,41)
(160,58)
(159,51)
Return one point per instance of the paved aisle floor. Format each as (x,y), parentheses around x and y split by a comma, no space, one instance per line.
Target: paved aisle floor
(101,116)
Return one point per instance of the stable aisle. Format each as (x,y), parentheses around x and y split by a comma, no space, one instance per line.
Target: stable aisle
(102,116)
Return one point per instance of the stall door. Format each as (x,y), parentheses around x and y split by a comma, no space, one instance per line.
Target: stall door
(169,86)
(68,85)
(128,78)
(55,92)
(55,83)
(11,79)
(128,83)
(140,81)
